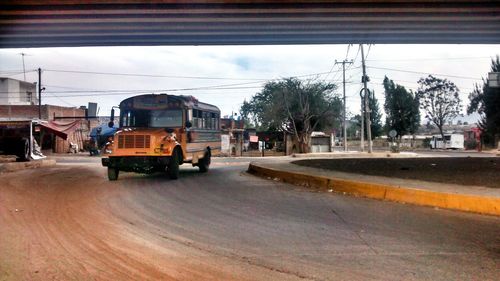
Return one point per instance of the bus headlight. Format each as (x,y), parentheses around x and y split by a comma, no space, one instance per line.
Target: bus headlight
(163,149)
(108,148)
(170,137)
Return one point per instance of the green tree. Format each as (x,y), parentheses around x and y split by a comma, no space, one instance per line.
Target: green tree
(296,107)
(355,127)
(375,117)
(440,100)
(401,109)
(486,101)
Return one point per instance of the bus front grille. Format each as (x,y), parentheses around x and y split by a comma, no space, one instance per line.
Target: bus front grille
(134,141)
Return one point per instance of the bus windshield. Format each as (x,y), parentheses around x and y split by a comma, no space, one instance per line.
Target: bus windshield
(151,118)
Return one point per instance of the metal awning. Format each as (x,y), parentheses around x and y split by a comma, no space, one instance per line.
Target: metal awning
(60,129)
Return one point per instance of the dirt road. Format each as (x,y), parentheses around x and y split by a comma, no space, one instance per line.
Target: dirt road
(70,223)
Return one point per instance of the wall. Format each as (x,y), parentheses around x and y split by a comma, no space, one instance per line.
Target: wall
(15,92)
(31,111)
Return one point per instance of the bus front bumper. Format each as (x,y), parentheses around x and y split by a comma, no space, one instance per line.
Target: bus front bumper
(140,164)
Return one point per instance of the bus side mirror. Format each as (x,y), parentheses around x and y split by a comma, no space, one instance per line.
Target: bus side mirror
(188,124)
(111,123)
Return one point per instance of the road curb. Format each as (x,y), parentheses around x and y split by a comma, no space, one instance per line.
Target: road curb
(461,202)
(17,166)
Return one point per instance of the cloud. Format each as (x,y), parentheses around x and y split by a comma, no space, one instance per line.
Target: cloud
(237,64)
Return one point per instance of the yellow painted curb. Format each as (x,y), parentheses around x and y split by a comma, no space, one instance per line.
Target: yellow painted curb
(462,202)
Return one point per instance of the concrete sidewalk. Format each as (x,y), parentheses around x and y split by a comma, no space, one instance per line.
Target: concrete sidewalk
(476,199)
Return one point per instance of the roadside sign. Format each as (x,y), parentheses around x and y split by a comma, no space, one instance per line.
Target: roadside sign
(392,133)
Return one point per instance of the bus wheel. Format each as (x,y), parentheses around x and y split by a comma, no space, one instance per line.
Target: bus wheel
(113,173)
(173,166)
(204,163)
(24,150)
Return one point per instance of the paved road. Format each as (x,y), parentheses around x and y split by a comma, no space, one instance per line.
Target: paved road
(69,222)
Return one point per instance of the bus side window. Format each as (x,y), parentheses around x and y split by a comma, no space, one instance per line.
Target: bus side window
(206,123)
(214,123)
(197,118)
(189,116)
(200,119)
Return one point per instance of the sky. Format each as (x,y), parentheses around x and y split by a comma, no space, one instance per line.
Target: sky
(227,75)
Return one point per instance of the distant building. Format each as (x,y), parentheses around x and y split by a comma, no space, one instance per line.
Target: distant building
(17,92)
(232,136)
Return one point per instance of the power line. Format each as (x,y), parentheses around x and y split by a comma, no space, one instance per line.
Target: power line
(336,77)
(357,53)
(60,99)
(9,74)
(354,74)
(427,73)
(126,91)
(369,48)
(222,86)
(432,59)
(115,93)
(148,75)
(349,67)
(347,54)
(11,70)
(331,69)
(70,88)
(166,76)
(412,82)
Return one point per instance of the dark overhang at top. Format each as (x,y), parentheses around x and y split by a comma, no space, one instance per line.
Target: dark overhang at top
(32,23)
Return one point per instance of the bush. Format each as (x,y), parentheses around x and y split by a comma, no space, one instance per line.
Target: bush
(395,148)
(426,143)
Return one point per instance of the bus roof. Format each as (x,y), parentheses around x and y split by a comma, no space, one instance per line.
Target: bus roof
(186,101)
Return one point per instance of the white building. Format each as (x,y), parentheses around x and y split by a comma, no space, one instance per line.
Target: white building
(16,92)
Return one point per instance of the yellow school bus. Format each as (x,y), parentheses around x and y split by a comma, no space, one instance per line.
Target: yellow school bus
(161,132)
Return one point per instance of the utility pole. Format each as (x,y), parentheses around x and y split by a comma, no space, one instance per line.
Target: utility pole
(344,112)
(39,93)
(367,104)
(362,143)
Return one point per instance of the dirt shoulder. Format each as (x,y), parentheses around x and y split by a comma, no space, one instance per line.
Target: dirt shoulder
(463,171)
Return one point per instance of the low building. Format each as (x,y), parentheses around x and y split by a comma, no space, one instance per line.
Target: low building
(17,92)
(232,136)
(67,119)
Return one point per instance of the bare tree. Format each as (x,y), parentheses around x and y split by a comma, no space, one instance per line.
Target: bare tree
(296,107)
(440,100)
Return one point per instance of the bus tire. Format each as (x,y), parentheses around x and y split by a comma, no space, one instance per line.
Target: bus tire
(113,173)
(204,163)
(23,151)
(173,165)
